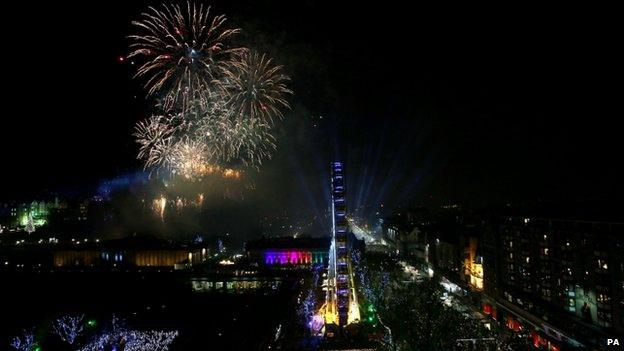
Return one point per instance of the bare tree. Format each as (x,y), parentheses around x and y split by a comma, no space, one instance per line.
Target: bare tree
(23,343)
(68,328)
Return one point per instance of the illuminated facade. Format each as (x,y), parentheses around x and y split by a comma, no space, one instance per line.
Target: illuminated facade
(294,257)
(288,252)
(140,258)
(76,258)
(160,258)
(473,264)
(476,275)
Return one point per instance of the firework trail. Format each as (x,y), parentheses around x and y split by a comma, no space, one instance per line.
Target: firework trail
(181,51)
(159,205)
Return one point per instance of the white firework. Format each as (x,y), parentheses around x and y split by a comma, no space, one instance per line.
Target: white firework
(155,138)
(181,50)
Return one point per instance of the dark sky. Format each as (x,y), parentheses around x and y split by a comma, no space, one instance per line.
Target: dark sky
(425,105)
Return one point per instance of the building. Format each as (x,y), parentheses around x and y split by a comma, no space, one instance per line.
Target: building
(454,250)
(160,258)
(562,281)
(288,252)
(129,253)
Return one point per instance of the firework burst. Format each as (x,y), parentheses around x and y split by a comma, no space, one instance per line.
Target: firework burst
(154,137)
(219,102)
(203,140)
(181,51)
(188,158)
(233,139)
(255,87)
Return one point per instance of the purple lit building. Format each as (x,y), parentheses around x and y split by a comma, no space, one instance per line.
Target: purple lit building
(288,251)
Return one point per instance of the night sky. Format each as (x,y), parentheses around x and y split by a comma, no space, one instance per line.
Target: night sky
(426,106)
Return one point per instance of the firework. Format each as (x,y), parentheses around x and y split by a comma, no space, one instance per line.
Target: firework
(219,103)
(233,139)
(154,137)
(200,199)
(159,205)
(255,87)
(188,158)
(204,140)
(181,51)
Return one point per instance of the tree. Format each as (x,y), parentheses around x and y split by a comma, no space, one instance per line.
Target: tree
(420,321)
(133,340)
(25,342)
(150,340)
(30,224)
(118,337)
(413,314)
(68,328)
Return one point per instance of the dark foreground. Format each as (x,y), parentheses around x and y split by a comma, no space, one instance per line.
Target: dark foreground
(156,300)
